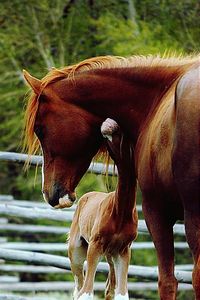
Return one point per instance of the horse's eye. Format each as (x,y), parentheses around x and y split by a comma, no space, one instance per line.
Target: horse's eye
(39,132)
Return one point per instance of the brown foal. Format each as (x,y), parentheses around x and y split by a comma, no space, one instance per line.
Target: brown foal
(106,224)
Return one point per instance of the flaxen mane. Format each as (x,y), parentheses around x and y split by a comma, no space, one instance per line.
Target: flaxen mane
(114,62)
(31,143)
(156,63)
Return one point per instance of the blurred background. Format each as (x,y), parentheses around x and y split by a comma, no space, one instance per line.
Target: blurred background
(39,34)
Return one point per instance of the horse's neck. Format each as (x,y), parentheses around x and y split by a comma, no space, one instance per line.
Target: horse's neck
(126,95)
(124,201)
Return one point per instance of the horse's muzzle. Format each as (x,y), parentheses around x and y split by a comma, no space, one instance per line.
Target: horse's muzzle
(60,198)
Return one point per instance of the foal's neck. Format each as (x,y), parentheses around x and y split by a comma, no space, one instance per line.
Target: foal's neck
(124,198)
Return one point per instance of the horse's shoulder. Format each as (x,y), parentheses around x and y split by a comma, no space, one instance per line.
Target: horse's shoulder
(188,104)
(153,150)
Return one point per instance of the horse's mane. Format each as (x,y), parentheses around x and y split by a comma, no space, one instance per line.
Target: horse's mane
(31,143)
(115,62)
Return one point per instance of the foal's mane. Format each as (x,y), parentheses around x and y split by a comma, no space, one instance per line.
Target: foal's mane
(154,63)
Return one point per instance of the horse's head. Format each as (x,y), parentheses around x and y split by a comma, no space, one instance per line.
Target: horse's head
(69,137)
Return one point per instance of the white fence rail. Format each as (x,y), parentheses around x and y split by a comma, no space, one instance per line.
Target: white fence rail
(97,168)
(64,263)
(60,215)
(69,286)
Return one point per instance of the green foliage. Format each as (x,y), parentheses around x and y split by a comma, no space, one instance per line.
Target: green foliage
(179,19)
(140,39)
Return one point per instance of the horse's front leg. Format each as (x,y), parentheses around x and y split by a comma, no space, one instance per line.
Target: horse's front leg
(121,263)
(93,256)
(161,230)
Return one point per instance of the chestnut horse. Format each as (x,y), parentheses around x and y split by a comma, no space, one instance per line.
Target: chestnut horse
(156,102)
(106,224)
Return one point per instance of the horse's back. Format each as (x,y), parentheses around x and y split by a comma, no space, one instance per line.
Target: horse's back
(186,150)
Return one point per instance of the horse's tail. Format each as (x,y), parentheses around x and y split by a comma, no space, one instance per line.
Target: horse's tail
(186,150)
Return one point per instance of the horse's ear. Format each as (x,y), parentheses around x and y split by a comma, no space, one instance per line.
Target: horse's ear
(108,127)
(34,83)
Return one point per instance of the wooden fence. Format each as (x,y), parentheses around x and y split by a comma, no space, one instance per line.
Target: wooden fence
(36,254)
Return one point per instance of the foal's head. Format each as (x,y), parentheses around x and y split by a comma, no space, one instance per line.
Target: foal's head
(68,135)
(119,145)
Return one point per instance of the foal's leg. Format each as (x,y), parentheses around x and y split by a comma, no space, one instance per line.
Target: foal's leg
(111,280)
(121,263)
(161,230)
(93,256)
(77,254)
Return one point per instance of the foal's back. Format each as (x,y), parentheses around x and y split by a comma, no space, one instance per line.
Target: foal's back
(88,212)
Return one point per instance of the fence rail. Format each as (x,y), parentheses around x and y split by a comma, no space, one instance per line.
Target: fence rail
(150,273)
(97,168)
(7,199)
(46,269)
(53,247)
(68,286)
(59,215)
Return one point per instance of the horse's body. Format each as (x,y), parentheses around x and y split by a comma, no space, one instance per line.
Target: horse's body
(102,225)
(157,103)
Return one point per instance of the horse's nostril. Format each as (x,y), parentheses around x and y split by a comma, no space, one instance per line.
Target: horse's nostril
(54,201)
(58,196)
(57,193)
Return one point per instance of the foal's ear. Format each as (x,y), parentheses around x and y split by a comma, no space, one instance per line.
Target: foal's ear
(108,127)
(33,82)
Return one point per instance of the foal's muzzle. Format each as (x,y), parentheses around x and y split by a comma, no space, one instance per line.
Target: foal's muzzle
(66,201)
